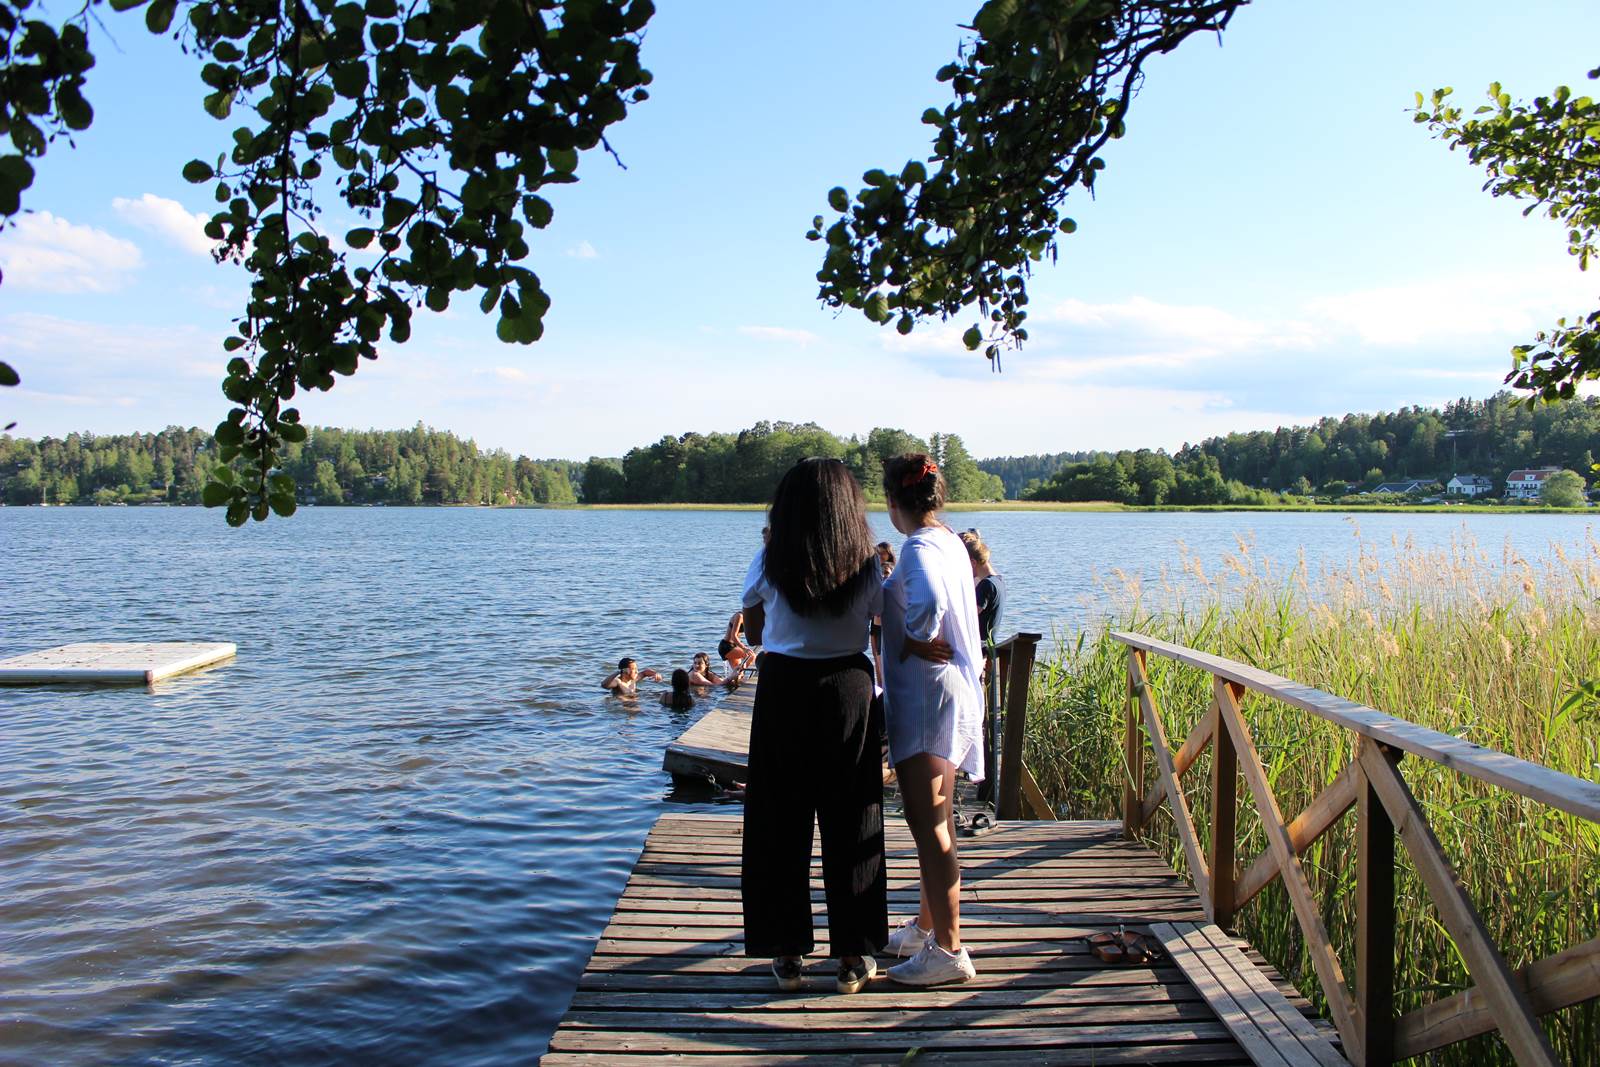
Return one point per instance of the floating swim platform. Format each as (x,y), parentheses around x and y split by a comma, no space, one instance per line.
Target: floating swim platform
(718,745)
(113,662)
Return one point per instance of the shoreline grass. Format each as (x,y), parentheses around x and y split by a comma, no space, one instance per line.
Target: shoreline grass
(1491,649)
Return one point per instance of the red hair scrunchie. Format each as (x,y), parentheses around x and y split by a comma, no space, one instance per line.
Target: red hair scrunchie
(928,467)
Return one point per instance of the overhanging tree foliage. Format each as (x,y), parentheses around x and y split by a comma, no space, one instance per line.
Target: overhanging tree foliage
(1546,152)
(1046,85)
(438,124)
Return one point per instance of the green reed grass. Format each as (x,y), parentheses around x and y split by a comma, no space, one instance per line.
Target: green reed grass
(1492,648)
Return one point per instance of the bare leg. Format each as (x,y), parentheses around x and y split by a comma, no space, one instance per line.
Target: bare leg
(927,785)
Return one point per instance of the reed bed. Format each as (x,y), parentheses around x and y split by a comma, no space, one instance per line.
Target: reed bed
(1488,646)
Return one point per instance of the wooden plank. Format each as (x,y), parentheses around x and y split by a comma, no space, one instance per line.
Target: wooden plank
(113,662)
(1220,998)
(1194,1051)
(1282,1019)
(1573,795)
(1328,808)
(823,1042)
(1323,958)
(1513,1015)
(1035,797)
(1180,806)
(1193,745)
(1569,977)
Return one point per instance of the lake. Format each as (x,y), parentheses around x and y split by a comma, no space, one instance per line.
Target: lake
(392,829)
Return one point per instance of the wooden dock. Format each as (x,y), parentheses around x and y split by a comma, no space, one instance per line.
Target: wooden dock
(668,982)
(718,745)
(113,662)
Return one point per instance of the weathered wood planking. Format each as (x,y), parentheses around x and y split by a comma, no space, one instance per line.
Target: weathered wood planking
(668,981)
(113,662)
(718,745)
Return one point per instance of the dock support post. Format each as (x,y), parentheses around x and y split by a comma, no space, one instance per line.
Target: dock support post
(1133,749)
(1224,819)
(1008,802)
(1374,919)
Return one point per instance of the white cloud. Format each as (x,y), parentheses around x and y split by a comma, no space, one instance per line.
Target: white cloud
(1464,306)
(43,252)
(779,333)
(583,250)
(169,219)
(511,374)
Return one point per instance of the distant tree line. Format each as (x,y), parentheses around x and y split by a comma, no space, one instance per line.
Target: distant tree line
(1336,456)
(745,467)
(415,466)
(426,466)
(1332,457)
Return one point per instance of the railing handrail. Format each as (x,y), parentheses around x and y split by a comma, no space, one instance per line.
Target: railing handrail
(1576,796)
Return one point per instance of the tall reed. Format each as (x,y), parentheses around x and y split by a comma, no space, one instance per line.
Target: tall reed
(1494,649)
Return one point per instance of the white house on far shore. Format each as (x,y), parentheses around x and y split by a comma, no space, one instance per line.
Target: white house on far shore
(1469,485)
(1526,484)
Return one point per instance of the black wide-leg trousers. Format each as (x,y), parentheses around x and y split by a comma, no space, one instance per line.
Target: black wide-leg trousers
(815,744)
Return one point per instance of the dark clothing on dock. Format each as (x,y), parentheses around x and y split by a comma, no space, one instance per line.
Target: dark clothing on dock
(991,593)
(815,745)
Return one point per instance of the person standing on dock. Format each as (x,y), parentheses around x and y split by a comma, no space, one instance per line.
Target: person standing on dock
(991,592)
(934,708)
(814,739)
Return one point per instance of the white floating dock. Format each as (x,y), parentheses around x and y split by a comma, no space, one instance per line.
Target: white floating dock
(114,662)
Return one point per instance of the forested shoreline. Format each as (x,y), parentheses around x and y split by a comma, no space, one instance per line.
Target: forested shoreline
(1333,457)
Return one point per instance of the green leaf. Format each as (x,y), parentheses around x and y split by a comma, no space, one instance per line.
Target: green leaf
(972,338)
(562,160)
(8,376)
(360,237)
(125,5)
(218,104)
(195,171)
(158,18)
(215,494)
(838,199)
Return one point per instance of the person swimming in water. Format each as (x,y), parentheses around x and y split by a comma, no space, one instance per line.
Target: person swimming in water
(678,698)
(702,675)
(624,681)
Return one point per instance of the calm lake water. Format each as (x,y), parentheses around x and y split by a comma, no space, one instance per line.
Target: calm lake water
(391,830)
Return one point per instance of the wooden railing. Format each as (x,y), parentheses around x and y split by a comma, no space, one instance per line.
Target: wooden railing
(1501,999)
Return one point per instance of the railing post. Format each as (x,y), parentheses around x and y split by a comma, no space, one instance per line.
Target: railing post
(1008,799)
(1374,918)
(1224,819)
(1133,749)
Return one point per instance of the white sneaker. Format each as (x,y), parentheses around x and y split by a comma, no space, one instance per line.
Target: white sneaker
(934,966)
(907,938)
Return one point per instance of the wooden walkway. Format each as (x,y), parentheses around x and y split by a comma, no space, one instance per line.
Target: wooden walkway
(718,745)
(668,982)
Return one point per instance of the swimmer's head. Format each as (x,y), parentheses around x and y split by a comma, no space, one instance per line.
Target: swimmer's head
(624,664)
(680,681)
(702,661)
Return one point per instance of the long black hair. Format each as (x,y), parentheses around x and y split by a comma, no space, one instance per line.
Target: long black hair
(821,554)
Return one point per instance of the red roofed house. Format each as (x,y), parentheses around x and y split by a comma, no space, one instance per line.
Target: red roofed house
(1525,484)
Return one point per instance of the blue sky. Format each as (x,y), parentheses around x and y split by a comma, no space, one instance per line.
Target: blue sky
(1274,240)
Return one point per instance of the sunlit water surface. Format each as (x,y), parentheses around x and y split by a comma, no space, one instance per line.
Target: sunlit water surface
(391,830)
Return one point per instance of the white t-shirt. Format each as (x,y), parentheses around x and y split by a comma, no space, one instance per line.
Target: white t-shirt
(810,636)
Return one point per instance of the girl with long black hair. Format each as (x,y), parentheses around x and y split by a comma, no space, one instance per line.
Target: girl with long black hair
(815,740)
